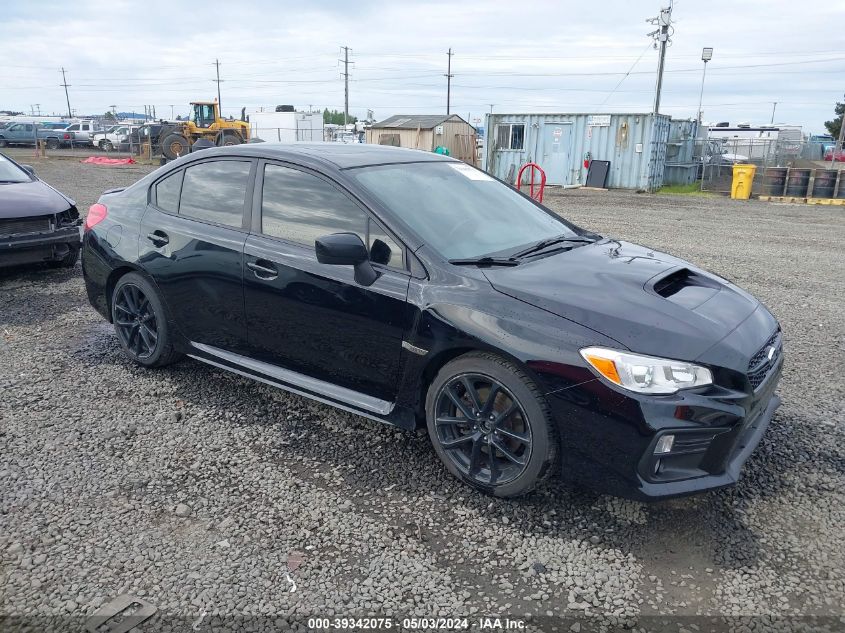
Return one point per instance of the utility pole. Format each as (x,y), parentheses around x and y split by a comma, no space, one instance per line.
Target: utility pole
(774,106)
(345,73)
(65,84)
(38,108)
(841,138)
(449,76)
(706,56)
(171,111)
(114,110)
(491,107)
(218,80)
(661,36)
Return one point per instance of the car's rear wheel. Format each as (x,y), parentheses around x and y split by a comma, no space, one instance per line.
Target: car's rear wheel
(490,425)
(3,142)
(141,323)
(52,143)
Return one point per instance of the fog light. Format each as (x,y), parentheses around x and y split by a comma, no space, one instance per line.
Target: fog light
(664,444)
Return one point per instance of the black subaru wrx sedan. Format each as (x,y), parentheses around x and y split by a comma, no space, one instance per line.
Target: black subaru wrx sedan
(416,290)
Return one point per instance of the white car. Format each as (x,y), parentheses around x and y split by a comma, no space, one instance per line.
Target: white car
(117,136)
(80,133)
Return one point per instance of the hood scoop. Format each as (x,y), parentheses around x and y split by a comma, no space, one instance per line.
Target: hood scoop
(684,287)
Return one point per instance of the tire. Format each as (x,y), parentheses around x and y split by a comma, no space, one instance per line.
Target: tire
(52,143)
(175,145)
(523,464)
(151,343)
(227,139)
(106,146)
(3,142)
(68,261)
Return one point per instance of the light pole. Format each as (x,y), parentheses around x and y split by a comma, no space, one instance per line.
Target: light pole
(706,56)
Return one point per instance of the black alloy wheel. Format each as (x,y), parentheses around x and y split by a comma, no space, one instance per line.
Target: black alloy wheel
(490,425)
(135,321)
(483,429)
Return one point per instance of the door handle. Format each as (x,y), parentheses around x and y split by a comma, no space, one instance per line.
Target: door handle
(264,270)
(159,238)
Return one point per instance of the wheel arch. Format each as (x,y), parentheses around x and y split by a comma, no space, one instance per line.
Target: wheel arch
(443,357)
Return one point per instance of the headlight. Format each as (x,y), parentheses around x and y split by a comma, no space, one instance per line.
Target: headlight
(645,374)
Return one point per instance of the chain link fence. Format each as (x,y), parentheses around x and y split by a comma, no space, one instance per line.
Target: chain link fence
(784,167)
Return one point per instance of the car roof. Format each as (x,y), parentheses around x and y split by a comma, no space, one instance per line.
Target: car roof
(338,155)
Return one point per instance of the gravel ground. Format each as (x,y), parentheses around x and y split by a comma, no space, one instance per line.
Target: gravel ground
(206,493)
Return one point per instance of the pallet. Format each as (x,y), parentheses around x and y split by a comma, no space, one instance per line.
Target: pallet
(839,202)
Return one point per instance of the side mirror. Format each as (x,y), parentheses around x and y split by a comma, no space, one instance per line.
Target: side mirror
(29,169)
(346,249)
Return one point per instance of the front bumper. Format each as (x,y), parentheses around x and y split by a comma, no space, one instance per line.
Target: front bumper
(30,248)
(608,437)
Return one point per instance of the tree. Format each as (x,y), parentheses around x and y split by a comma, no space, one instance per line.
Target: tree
(109,116)
(336,118)
(835,125)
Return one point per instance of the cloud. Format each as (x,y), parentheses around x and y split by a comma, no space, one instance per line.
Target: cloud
(528,56)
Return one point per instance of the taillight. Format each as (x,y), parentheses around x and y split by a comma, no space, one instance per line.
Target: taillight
(96,214)
(66,137)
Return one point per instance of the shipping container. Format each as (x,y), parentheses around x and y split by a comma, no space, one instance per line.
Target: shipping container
(286,127)
(564,144)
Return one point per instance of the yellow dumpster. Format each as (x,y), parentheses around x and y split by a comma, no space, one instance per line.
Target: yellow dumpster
(743,177)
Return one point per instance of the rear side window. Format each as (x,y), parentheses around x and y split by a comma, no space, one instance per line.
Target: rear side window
(215,191)
(300,207)
(167,192)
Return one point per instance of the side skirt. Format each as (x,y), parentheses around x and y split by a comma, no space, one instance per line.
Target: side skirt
(300,384)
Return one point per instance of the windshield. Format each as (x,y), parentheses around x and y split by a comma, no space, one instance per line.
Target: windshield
(458,210)
(9,172)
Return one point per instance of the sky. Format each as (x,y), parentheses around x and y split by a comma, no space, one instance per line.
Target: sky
(528,56)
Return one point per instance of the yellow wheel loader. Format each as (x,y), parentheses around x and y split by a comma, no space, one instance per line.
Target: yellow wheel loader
(204,123)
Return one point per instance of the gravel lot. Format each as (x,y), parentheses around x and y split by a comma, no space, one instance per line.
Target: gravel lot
(206,493)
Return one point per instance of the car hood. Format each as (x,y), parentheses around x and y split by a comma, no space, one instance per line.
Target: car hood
(27,199)
(650,302)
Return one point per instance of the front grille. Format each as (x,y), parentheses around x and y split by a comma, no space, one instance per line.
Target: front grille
(25,225)
(761,363)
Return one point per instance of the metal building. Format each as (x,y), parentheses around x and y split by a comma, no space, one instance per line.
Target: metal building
(427,132)
(635,145)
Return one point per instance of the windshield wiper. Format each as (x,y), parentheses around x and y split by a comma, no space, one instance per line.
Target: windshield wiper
(485,261)
(542,244)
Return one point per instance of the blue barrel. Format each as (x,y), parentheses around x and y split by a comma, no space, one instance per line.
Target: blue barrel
(797,182)
(824,182)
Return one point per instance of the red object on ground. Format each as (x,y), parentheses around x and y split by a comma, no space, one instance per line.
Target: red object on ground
(540,186)
(102,160)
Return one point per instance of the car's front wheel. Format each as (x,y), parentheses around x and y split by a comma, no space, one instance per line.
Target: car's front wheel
(140,322)
(106,146)
(490,425)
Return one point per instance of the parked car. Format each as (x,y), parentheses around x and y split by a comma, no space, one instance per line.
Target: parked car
(27,133)
(37,223)
(81,133)
(115,137)
(414,289)
(833,154)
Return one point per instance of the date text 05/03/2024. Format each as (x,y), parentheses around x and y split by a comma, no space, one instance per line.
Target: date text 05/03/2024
(492,623)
